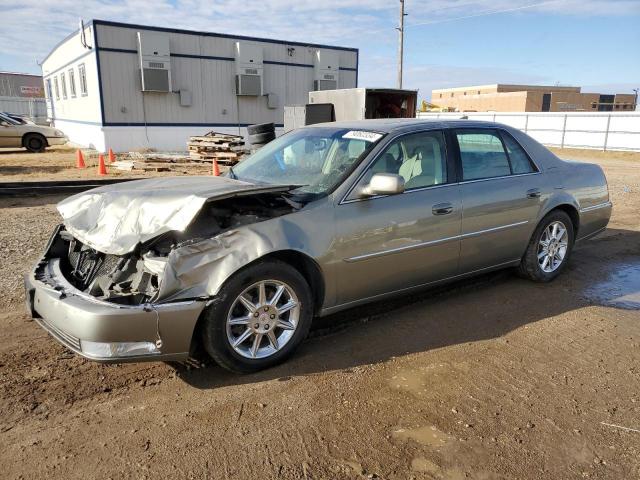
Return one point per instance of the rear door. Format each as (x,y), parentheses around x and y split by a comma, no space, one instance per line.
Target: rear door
(501,191)
(390,243)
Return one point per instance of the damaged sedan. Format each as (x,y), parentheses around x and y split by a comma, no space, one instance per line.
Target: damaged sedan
(323,218)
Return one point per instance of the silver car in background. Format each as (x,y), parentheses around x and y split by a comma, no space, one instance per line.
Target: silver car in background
(17,133)
(321,219)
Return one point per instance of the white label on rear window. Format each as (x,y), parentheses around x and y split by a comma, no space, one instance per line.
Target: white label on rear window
(362,135)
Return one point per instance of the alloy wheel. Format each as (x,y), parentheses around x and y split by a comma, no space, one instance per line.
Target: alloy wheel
(552,247)
(263,319)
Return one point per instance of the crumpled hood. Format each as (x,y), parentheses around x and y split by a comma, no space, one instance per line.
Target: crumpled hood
(113,219)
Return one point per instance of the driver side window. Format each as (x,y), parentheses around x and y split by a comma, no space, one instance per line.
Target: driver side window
(420,158)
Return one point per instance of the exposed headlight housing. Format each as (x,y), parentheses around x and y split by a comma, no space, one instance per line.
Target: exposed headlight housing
(117,349)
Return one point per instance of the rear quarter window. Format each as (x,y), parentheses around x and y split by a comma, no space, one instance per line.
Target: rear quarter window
(520,161)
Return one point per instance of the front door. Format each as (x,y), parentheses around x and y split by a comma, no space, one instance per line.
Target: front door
(8,134)
(390,243)
(501,194)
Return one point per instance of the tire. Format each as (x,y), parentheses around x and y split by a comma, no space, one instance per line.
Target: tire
(261,138)
(34,142)
(217,334)
(261,128)
(548,267)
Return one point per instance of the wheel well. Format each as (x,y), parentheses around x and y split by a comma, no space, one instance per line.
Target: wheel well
(34,134)
(308,268)
(573,215)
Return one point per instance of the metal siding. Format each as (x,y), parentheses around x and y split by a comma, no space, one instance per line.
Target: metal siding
(211,81)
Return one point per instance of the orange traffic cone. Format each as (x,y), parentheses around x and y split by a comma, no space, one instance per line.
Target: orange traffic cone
(112,157)
(216,168)
(102,169)
(80,159)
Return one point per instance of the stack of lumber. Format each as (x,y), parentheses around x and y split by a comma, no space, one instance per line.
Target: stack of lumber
(225,149)
(161,162)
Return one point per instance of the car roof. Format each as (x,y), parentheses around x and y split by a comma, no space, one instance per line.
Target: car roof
(389,125)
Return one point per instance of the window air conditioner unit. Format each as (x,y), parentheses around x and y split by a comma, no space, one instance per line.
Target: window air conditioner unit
(155,61)
(249,69)
(326,68)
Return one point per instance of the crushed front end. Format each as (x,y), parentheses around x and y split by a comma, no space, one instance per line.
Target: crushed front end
(102,306)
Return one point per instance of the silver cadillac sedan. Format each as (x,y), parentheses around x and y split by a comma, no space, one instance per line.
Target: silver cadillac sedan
(322,219)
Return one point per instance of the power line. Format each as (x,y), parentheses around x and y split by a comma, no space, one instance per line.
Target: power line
(485,13)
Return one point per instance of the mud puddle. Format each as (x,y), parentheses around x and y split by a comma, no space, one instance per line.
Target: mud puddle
(620,289)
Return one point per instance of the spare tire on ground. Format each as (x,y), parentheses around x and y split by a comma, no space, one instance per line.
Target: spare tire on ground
(261,138)
(261,128)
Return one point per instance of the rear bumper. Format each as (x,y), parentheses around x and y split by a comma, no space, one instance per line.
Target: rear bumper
(106,332)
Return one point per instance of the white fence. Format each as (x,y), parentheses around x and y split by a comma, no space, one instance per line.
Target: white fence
(34,108)
(597,130)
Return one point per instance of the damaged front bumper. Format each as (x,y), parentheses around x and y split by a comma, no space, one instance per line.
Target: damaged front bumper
(108,332)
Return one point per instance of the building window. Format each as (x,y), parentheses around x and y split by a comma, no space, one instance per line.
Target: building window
(617,106)
(63,84)
(83,79)
(72,83)
(594,105)
(56,87)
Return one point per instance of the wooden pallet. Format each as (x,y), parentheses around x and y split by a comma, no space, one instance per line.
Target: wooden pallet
(224,148)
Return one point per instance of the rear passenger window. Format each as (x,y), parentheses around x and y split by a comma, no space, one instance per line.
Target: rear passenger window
(482,154)
(520,162)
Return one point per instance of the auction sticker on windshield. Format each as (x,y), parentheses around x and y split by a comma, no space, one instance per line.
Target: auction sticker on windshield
(362,135)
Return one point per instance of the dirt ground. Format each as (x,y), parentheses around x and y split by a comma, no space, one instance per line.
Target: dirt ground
(59,163)
(492,378)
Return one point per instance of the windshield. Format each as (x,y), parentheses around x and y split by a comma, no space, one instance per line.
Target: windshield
(5,118)
(315,159)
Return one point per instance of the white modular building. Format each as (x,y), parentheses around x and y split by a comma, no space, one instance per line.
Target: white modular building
(128,87)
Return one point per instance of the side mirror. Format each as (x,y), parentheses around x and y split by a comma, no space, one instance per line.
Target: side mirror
(4,124)
(383,184)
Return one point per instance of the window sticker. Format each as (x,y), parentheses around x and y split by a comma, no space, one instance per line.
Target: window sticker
(362,135)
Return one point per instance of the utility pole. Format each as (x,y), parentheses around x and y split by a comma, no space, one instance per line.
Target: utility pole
(635,101)
(400,29)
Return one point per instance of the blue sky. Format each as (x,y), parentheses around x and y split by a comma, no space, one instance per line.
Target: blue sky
(589,43)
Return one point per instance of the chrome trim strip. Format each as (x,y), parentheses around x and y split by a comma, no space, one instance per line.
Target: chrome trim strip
(494,229)
(596,207)
(498,178)
(432,128)
(418,189)
(342,306)
(391,251)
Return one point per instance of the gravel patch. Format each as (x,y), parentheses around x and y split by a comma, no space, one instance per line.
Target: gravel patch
(27,224)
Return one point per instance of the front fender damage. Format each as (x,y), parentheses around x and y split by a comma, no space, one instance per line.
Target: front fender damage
(198,270)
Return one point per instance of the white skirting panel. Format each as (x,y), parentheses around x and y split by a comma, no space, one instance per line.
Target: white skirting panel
(84,134)
(167,139)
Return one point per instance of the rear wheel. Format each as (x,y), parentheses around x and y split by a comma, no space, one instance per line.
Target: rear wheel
(263,314)
(549,249)
(34,143)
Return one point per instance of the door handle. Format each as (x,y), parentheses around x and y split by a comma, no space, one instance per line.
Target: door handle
(442,209)
(534,193)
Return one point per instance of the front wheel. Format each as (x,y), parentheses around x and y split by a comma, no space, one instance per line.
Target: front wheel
(263,313)
(34,142)
(549,248)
